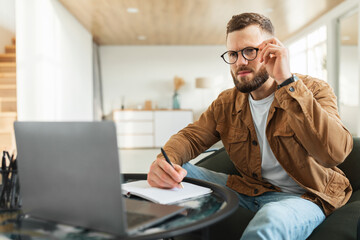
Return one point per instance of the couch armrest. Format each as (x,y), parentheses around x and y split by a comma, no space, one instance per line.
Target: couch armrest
(358,229)
(351,165)
(341,224)
(219,161)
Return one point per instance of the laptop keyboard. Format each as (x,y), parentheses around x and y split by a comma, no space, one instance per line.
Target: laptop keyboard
(137,218)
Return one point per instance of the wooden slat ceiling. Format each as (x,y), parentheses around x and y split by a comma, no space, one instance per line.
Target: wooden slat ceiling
(187,22)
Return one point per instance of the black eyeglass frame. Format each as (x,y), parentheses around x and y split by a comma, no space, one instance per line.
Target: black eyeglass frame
(242,53)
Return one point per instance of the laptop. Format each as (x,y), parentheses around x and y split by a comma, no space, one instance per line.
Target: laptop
(69,172)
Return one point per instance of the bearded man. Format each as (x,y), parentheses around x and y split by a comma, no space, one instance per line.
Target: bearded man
(281,130)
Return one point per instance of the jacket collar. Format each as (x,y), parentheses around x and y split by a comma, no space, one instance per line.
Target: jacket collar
(241,100)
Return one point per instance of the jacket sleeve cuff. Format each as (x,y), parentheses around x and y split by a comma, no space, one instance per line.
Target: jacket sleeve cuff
(292,91)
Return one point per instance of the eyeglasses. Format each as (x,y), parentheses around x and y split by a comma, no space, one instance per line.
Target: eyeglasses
(249,53)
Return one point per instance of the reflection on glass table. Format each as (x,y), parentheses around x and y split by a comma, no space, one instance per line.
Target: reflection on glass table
(200,214)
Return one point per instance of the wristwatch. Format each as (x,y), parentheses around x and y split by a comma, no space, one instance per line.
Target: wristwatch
(291,79)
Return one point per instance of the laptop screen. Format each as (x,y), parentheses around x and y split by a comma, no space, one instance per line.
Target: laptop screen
(69,172)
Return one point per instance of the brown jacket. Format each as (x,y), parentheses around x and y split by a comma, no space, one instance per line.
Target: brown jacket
(303,129)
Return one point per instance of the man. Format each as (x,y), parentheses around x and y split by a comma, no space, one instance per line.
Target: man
(282,132)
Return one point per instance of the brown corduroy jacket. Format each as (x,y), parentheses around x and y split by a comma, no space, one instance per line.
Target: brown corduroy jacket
(303,129)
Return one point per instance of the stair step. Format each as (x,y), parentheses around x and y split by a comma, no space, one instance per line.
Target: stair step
(12,115)
(13,40)
(7,121)
(10,49)
(8,57)
(7,67)
(8,91)
(7,78)
(7,141)
(8,104)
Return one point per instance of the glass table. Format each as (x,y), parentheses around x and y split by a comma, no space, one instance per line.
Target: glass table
(200,214)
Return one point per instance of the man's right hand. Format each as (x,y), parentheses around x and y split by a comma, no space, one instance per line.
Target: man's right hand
(163,175)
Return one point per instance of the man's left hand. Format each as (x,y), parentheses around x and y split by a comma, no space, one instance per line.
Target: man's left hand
(276,58)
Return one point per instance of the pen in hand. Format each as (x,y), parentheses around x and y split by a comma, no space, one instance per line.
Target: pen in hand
(168,161)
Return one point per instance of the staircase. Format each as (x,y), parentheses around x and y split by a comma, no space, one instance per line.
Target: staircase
(8,108)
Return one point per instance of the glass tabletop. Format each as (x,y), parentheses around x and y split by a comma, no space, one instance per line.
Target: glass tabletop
(201,212)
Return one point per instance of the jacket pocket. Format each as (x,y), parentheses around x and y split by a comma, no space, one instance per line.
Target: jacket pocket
(284,131)
(288,150)
(236,142)
(231,134)
(337,186)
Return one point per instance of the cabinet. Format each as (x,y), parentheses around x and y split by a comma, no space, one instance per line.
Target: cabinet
(148,129)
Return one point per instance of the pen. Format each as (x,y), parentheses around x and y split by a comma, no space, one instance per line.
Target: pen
(168,160)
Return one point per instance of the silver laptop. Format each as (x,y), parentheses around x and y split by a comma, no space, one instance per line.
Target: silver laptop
(69,173)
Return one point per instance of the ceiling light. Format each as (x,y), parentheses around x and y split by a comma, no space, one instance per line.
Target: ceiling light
(132,10)
(141,38)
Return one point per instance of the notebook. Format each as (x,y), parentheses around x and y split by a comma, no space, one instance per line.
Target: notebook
(142,189)
(69,173)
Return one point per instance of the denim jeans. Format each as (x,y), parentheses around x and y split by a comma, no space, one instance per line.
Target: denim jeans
(278,215)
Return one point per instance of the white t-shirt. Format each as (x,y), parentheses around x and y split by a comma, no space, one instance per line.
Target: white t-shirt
(271,169)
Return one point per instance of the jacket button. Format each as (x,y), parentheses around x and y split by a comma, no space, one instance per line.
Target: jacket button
(256,191)
(254,175)
(291,89)
(254,142)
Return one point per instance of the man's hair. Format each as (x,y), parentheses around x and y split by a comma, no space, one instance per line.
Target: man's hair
(244,20)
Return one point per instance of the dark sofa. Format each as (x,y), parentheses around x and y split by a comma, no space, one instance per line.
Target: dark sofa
(341,224)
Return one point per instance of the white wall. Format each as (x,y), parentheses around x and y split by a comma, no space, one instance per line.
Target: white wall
(140,73)
(54,63)
(7,23)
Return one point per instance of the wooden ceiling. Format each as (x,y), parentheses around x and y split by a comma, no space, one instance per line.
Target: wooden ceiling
(187,22)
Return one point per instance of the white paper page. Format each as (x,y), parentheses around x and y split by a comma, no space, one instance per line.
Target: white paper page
(164,196)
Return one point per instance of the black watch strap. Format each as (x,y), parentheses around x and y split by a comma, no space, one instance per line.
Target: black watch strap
(287,81)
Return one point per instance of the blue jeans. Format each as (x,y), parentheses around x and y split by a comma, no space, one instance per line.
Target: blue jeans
(278,215)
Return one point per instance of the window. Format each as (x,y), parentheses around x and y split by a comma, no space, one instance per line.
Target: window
(308,54)
(349,93)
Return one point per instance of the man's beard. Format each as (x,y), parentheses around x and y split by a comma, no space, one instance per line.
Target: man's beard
(246,86)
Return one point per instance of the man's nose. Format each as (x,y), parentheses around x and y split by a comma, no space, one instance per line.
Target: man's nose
(241,61)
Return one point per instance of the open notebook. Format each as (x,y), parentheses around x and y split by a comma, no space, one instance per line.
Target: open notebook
(164,196)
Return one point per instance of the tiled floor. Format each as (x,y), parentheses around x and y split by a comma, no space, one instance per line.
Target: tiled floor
(139,160)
